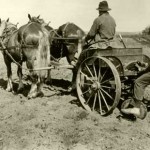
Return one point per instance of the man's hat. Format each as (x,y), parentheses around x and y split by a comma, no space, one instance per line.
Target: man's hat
(103,6)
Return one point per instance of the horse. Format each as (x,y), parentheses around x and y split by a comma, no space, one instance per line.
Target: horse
(66,41)
(33,47)
(11,52)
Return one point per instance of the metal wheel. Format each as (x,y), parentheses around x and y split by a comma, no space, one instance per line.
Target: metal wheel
(98,85)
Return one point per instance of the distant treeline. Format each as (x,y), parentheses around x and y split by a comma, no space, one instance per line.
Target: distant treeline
(146,31)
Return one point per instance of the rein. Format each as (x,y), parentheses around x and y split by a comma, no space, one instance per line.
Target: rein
(63,32)
(56,38)
(6,51)
(6,35)
(37,69)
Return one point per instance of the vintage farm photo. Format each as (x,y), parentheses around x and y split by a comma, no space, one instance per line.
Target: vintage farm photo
(75,75)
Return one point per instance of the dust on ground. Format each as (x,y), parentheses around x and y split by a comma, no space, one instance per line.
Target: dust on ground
(57,121)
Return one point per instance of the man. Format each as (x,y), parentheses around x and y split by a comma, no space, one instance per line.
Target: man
(139,109)
(103,28)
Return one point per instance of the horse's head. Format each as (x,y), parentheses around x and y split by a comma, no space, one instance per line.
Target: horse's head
(3,26)
(6,28)
(36,19)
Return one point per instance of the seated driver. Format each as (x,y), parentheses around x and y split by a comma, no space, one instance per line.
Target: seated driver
(103,28)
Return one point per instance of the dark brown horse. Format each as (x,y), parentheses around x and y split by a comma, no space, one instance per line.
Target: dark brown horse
(67,41)
(9,35)
(29,43)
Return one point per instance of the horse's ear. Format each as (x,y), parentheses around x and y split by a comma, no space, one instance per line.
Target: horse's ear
(48,23)
(17,24)
(38,16)
(7,20)
(29,16)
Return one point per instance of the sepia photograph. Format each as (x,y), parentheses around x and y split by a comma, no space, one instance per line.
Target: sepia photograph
(75,75)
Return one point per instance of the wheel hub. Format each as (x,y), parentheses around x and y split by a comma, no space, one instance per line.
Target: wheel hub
(96,86)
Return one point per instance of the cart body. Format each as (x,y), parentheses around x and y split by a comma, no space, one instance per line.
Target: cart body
(105,77)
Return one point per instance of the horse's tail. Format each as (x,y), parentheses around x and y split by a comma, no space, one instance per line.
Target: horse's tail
(43,54)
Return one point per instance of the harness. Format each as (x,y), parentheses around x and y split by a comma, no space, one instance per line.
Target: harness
(62,40)
(7,33)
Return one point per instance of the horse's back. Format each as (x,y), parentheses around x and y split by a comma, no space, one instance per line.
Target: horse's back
(70,30)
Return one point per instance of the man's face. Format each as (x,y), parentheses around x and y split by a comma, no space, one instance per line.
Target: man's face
(100,12)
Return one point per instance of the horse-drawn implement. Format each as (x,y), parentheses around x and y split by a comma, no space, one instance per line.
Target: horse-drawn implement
(104,77)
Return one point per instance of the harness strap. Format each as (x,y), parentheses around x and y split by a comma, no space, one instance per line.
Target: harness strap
(63,32)
(22,41)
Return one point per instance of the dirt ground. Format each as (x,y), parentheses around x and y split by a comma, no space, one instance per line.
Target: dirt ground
(57,121)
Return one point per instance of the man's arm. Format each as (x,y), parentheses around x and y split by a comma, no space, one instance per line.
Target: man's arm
(93,31)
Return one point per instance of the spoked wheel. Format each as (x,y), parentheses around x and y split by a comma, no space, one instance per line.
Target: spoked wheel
(98,85)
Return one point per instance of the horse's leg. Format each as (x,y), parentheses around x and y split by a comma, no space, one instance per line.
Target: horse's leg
(71,61)
(33,91)
(9,75)
(19,73)
(48,79)
(40,86)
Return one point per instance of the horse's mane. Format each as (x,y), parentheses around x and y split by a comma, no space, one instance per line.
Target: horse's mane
(11,25)
(37,20)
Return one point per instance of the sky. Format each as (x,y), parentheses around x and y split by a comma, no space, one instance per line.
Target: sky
(130,15)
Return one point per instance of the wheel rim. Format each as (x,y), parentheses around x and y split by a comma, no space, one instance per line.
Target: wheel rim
(98,85)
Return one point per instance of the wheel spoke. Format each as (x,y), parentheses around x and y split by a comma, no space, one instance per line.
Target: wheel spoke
(100,104)
(99,71)
(94,101)
(89,98)
(88,78)
(107,80)
(107,87)
(104,99)
(89,70)
(107,93)
(104,74)
(86,92)
(94,70)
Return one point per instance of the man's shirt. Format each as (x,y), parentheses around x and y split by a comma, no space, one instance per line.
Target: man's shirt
(104,25)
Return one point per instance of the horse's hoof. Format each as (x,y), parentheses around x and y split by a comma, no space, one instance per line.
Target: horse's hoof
(34,95)
(9,90)
(40,94)
(71,88)
(19,90)
(14,93)
(52,88)
(48,82)
(30,96)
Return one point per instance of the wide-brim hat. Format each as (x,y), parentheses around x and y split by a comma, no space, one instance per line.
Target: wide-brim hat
(103,6)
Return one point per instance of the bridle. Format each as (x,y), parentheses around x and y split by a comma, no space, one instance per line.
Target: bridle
(8,31)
